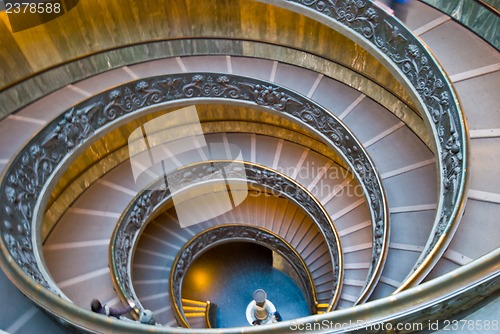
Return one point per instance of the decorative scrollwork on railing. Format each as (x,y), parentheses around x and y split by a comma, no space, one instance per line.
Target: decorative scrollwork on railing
(230,233)
(55,144)
(423,72)
(149,201)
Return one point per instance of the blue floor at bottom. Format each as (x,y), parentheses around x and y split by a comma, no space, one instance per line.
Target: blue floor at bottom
(228,275)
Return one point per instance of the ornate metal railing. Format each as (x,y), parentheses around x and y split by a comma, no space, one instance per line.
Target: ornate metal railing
(414,63)
(229,233)
(32,172)
(27,176)
(149,202)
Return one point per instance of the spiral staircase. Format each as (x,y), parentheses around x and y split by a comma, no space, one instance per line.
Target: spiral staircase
(389,159)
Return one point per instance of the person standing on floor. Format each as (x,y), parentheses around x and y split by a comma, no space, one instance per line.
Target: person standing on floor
(97,307)
(400,8)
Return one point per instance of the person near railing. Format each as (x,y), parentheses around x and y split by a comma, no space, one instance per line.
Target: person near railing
(97,307)
(400,8)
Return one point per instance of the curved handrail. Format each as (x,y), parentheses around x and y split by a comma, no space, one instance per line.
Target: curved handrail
(90,173)
(208,313)
(196,306)
(147,204)
(418,68)
(492,5)
(218,235)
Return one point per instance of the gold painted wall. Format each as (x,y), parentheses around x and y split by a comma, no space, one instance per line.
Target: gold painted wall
(94,26)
